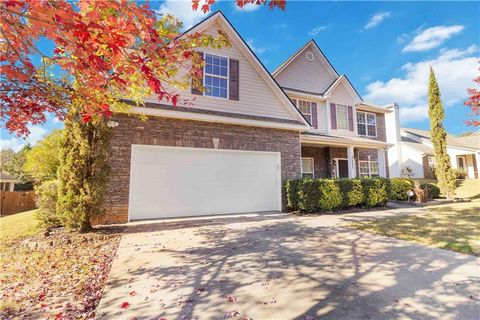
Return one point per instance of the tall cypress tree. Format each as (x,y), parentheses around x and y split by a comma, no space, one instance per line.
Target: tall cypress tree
(83,170)
(443,168)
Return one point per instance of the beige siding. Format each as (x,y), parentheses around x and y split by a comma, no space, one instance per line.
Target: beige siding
(306,75)
(340,95)
(322,118)
(321,112)
(256,97)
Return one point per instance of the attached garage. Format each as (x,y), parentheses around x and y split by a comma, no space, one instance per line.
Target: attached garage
(179,182)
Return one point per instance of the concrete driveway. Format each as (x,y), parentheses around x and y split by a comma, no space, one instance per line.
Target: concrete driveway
(277,266)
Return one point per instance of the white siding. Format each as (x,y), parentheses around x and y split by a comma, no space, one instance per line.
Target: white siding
(412,159)
(256,97)
(306,75)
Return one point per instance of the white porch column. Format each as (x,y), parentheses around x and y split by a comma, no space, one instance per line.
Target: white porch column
(351,163)
(477,159)
(381,163)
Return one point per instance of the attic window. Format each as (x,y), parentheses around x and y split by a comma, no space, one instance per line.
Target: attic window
(310,56)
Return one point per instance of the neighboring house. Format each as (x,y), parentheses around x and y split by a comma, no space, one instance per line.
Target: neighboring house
(7,182)
(243,137)
(414,150)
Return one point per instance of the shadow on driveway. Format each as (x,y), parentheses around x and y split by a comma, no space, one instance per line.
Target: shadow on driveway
(277,266)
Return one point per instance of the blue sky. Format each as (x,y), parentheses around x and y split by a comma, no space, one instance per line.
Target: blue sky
(385,48)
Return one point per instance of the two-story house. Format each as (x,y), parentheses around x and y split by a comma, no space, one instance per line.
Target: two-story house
(348,138)
(245,134)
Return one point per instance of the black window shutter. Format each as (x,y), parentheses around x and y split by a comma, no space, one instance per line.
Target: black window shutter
(234,81)
(195,89)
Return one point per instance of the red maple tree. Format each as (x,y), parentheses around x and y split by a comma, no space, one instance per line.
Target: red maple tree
(103,51)
(474,103)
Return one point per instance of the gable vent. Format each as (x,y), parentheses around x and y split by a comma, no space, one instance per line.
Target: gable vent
(309,55)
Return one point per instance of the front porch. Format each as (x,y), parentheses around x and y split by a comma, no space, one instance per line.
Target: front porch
(330,161)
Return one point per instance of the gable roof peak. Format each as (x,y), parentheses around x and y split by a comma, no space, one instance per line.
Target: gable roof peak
(312,41)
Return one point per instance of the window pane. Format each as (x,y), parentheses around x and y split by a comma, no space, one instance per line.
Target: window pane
(371,130)
(360,117)
(342,117)
(307,175)
(216,72)
(371,118)
(361,129)
(373,167)
(307,165)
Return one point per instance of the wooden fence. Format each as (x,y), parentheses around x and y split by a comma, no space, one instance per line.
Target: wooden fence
(16,201)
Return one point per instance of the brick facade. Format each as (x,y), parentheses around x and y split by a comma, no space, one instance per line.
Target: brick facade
(187,133)
(319,160)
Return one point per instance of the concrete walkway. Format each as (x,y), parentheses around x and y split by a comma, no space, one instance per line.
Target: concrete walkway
(278,266)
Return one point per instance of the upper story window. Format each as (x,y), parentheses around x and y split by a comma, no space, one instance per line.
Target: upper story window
(305,108)
(366,124)
(342,117)
(216,76)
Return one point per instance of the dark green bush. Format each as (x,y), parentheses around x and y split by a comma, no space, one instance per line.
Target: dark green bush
(309,195)
(376,191)
(291,191)
(399,188)
(330,196)
(433,190)
(351,191)
(46,200)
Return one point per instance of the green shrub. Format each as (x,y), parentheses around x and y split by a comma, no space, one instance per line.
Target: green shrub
(46,200)
(351,191)
(291,192)
(399,188)
(433,190)
(376,191)
(309,195)
(330,196)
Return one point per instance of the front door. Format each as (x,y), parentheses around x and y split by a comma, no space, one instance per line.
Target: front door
(342,166)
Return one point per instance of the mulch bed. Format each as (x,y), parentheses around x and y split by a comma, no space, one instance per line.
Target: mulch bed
(56,275)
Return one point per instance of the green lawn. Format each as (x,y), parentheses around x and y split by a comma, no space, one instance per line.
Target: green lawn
(468,188)
(453,227)
(17,226)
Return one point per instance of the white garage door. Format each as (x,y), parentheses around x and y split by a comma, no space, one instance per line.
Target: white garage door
(176,182)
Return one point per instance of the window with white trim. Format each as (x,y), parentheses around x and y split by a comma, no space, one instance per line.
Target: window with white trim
(368,168)
(305,108)
(307,168)
(366,124)
(216,76)
(342,117)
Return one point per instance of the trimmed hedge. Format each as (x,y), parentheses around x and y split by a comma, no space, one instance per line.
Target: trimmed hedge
(399,188)
(376,191)
(326,195)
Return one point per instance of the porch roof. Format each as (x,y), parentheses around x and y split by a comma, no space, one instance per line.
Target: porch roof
(318,138)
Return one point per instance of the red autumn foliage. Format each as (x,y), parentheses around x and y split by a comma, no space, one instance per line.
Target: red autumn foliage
(100,48)
(125,305)
(205,5)
(474,103)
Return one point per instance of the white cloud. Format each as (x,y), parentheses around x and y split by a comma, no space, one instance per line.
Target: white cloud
(255,48)
(317,30)
(182,9)
(376,19)
(454,70)
(248,7)
(15,143)
(432,38)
